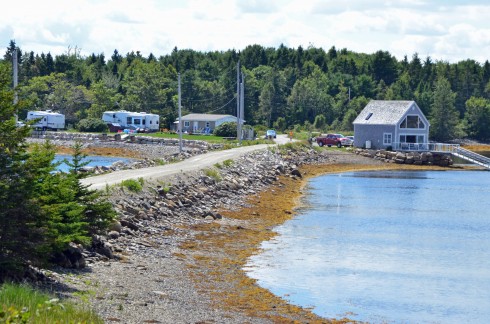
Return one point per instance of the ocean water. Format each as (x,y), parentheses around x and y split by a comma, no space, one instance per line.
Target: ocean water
(386,247)
(95,160)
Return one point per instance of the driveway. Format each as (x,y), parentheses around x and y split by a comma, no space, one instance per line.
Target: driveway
(282,139)
(194,163)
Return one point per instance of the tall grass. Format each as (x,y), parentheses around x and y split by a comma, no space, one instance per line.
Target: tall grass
(23,304)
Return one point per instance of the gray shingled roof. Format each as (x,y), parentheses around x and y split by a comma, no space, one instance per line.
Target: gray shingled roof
(384,112)
(205,117)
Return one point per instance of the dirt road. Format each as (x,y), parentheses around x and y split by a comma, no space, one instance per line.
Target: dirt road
(194,163)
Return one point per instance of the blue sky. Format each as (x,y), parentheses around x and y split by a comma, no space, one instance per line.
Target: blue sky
(444,30)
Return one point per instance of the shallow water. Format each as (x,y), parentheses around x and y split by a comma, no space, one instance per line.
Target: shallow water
(95,160)
(386,246)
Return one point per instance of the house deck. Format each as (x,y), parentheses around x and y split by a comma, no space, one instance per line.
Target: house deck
(453,149)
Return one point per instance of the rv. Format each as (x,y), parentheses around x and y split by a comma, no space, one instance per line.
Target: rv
(133,120)
(47,119)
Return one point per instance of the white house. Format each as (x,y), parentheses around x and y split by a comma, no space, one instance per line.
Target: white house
(203,123)
(396,124)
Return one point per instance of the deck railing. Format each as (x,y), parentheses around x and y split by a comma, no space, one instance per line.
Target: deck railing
(430,147)
(453,149)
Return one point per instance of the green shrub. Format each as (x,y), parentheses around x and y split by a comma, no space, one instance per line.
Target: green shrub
(132,185)
(92,125)
(228,162)
(227,129)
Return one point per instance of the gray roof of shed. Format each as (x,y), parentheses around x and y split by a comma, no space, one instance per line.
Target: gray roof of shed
(384,112)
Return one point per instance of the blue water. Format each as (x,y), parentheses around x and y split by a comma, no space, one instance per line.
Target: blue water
(386,247)
(93,161)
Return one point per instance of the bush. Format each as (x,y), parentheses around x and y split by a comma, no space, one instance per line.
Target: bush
(227,129)
(132,185)
(92,125)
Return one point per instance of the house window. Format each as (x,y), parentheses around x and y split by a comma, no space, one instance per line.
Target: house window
(412,139)
(137,121)
(369,116)
(129,120)
(387,138)
(412,121)
(187,123)
(408,139)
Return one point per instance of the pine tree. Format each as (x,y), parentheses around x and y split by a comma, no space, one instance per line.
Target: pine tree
(22,225)
(97,212)
(443,116)
(42,211)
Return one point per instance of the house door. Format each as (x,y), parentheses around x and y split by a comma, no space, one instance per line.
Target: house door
(195,126)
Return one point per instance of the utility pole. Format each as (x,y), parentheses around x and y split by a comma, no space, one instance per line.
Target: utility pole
(238,131)
(242,104)
(179,128)
(15,65)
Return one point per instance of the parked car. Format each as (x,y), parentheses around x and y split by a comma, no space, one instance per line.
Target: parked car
(270,134)
(347,140)
(330,139)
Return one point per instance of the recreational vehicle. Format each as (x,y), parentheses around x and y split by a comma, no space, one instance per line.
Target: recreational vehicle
(47,119)
(133,120)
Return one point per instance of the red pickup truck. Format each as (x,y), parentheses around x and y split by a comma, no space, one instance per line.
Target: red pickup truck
(329,140)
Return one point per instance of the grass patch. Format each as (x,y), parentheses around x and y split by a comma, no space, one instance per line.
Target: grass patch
(23,304)
(226,163)
(133,185)
(213,173)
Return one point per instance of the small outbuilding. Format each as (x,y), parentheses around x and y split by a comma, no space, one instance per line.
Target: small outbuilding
(391,124)
(203,123)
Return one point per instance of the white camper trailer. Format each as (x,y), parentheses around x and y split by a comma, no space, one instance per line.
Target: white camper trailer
(133,120)
(47,119)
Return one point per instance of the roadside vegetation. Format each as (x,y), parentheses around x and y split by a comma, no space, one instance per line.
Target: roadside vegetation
(20,303)
(42,213)
(133,185)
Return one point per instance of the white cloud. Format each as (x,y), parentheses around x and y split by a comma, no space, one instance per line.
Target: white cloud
(452,31)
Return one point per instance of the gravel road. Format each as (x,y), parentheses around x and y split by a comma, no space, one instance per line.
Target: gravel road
(194,163)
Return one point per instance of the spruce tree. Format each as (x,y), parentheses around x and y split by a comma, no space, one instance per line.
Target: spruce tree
(443,114)
(42,210)
(22,226)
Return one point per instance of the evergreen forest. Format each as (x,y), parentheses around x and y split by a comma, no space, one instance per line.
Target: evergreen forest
(285,88)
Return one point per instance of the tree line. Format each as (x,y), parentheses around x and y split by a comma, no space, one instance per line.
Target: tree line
(300,88)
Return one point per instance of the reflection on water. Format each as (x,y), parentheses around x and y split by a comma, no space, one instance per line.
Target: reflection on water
(395,247)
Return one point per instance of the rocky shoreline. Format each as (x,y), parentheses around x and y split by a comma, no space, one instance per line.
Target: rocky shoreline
(162,262)
(139,272)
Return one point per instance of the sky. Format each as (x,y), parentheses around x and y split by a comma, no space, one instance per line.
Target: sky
(451,30)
